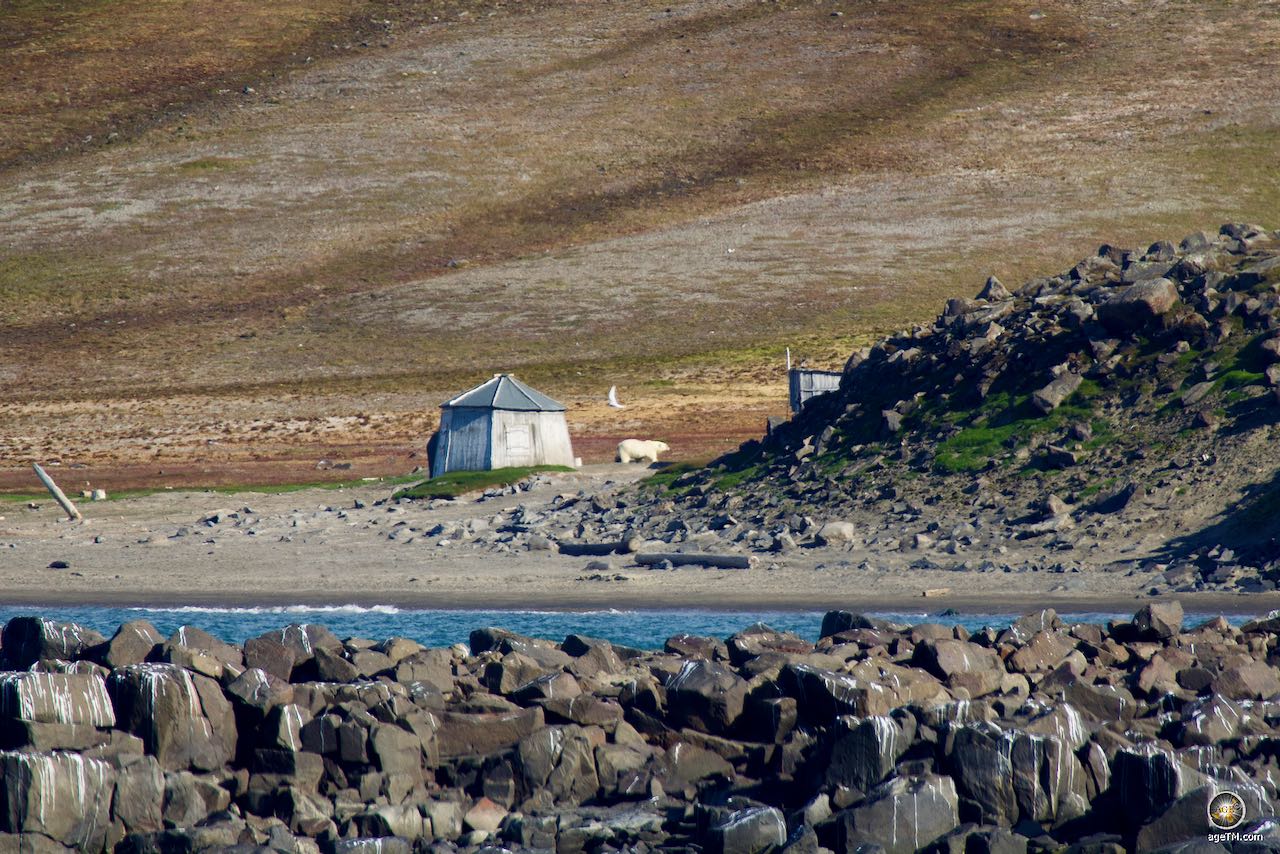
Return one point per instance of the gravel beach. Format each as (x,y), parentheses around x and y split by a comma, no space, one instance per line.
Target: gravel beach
(356,546)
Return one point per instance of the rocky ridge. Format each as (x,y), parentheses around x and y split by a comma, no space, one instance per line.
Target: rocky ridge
(1121,414)
(879,737)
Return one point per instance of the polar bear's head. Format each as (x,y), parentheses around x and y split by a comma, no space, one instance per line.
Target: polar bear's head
(662,446)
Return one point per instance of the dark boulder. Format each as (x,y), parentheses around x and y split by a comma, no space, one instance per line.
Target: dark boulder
(835,622)
(485,734)
(906,814)
(751,831)
(1138,305)
(267,653)
(1159,620)
(822,695)
(706,696)
(865,751)
(162,705)
(133,643)
(63,796)
(26,640)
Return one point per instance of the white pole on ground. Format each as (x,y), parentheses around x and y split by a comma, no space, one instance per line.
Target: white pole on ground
(72,512)
(788,358)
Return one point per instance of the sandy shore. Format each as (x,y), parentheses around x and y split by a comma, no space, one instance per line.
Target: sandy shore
(317,547)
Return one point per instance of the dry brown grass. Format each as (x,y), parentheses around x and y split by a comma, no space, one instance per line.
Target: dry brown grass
(78,71)
(651,194)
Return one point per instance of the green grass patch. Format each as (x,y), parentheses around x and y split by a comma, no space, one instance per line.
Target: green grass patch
(1237,378)
(278,489)
(664,479)
(457,483)
(1186,361)
(208,164)
(1094,488)
(40,282)
(1103,434)
(992,433)
(973,449)
(732,479)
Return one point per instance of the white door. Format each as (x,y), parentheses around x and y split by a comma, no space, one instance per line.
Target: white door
(519,445)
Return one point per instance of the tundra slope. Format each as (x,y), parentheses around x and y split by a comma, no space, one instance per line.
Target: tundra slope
(1119,415)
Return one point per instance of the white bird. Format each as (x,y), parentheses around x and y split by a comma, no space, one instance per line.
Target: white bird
(613,398)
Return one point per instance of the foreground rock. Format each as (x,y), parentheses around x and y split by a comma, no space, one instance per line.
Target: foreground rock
(876,737)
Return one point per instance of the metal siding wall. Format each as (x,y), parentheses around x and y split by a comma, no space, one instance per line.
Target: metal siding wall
(442,445)
(548,439)
(804,385)
(554,446)
(465,439)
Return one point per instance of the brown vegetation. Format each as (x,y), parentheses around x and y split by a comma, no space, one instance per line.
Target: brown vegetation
(651,194)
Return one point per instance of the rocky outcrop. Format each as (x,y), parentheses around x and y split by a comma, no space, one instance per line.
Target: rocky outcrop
(876,737)
(1136,389)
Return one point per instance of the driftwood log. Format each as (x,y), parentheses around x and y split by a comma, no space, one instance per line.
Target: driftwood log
(624,546)
(591,549)
(677,559)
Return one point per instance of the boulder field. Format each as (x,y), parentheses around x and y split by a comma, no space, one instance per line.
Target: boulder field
(1120,414)
(879,737)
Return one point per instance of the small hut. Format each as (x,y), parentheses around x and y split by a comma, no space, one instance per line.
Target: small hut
(500,424)
(804,385)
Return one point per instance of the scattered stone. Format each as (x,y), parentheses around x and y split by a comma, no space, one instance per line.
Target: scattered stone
(1053,395)
(1138,305)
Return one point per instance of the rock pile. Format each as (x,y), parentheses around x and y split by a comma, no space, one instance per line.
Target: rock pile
(879,737)
(1130,397)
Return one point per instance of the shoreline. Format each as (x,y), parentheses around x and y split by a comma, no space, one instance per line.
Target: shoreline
(316,548)
(1226,604)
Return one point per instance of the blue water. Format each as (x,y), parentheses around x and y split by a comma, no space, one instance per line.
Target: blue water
(642,629)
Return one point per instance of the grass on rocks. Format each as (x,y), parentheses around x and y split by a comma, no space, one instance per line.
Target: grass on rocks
(991,437)
(664,480)
(457,483)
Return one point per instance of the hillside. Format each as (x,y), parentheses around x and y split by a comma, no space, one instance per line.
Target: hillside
(288,239)
(1121,415)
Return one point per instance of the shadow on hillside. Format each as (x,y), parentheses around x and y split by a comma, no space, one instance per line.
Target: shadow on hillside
(1250,527)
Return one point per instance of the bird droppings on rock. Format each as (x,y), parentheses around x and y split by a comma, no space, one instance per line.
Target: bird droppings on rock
(879,734)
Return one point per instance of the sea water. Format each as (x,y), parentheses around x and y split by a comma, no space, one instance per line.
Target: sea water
(644,629)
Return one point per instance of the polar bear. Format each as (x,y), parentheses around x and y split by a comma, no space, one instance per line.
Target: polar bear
(630,450)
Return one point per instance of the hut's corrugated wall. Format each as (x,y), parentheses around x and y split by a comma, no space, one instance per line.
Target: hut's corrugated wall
(530,439)
(465,437)
(804,385)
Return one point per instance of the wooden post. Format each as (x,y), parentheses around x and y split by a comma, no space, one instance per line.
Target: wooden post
(72,513)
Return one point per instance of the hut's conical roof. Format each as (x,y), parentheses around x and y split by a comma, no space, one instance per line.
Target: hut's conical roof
(504,392)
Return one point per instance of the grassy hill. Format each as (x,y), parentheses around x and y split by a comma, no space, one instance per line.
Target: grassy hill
(236,235)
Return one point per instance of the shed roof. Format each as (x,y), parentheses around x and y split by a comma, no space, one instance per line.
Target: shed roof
(504,392)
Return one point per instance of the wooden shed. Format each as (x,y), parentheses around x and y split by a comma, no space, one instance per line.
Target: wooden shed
(804,385)
(502,423)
